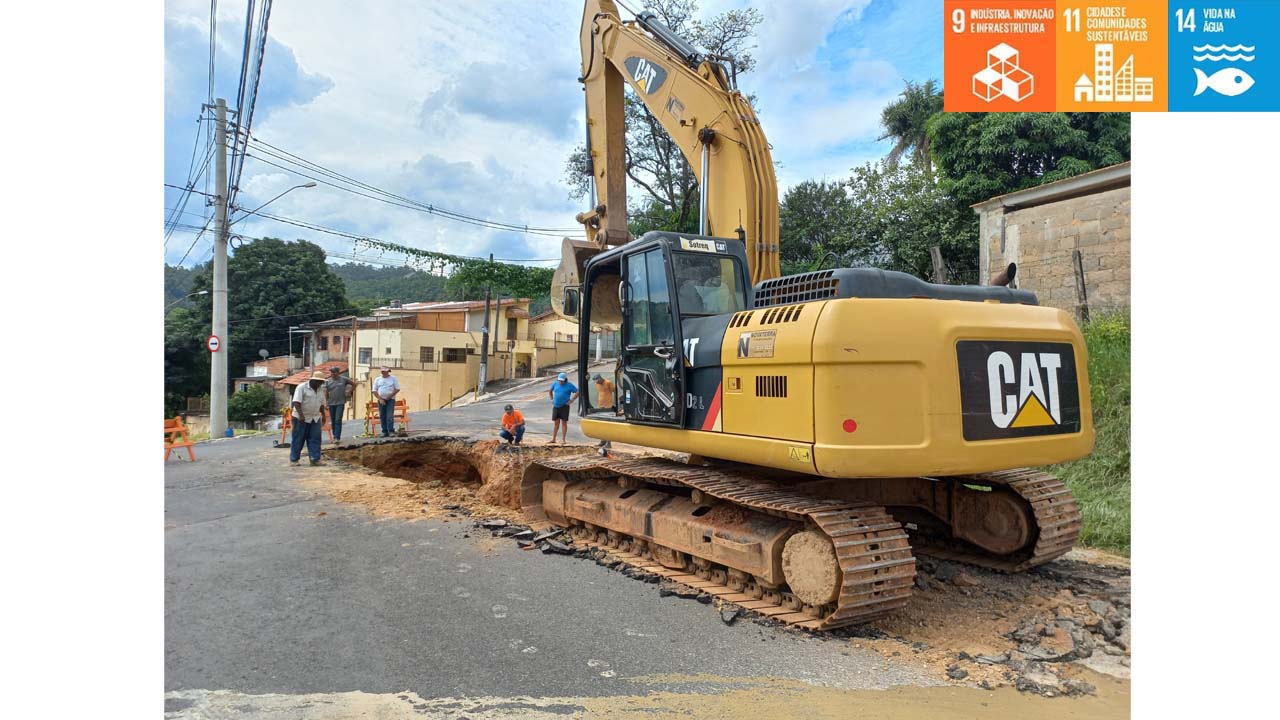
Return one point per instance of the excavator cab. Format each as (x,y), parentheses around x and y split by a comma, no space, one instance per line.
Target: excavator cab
(655,292)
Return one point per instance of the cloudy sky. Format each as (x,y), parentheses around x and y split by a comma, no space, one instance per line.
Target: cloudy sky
(473,107)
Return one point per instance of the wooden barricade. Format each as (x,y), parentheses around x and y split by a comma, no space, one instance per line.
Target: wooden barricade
(286,425)
(373,419)
(175,436)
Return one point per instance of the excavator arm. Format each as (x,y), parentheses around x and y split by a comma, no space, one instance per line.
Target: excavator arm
(695,99)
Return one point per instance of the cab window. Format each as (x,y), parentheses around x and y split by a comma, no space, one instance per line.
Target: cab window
(707,284)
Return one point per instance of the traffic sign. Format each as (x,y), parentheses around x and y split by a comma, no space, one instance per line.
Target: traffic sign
(213,343)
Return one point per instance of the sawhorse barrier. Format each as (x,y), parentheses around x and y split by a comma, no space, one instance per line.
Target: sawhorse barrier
(286,425)
(373,419)
(175,436)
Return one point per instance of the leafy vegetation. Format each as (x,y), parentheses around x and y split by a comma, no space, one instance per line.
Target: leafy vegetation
(1101,480)
(273,284)
(376,286)
(905,121)
(251,403)
(667,197)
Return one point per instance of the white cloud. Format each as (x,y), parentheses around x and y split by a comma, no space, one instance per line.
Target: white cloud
(475,107)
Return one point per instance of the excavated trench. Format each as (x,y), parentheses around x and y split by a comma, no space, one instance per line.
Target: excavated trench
(490,469)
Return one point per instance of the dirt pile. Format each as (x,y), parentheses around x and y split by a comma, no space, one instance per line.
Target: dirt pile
(448,477)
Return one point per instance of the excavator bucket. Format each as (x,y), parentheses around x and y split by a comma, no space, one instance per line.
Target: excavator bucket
(574,255)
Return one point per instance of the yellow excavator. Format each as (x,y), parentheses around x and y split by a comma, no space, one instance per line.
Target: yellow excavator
(829,422)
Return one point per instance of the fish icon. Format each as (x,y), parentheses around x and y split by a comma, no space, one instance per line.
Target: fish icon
(1228,81)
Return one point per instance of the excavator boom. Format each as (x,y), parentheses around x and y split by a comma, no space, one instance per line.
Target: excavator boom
(695,99)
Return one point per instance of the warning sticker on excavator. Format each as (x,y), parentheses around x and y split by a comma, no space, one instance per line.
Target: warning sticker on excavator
(758,344)
(799,454)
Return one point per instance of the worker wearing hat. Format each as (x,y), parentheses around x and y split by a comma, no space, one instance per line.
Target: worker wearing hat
(604,391)
(336,387)
(562,394)
(385,388)
(512,425)
(309,406)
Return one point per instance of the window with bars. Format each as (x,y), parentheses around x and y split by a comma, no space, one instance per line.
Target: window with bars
(365,356)
(426,355)
(453,355)
(324,342)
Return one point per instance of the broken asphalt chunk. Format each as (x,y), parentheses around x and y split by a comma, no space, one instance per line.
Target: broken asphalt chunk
(551,546)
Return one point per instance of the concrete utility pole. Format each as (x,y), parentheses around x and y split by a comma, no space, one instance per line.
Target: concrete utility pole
(484,331)
(218,363)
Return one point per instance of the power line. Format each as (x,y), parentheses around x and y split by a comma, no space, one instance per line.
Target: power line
(293,159)
(353,236)
(264,21)
(179,187)
(193,176)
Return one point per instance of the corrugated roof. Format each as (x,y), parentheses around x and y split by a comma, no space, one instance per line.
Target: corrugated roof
(449,306)
(304,375)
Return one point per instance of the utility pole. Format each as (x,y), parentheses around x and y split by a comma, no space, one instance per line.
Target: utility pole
(484,330)
(218,363)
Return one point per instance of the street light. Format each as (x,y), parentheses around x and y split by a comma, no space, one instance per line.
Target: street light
(218,363)
(184,297)
(286,192)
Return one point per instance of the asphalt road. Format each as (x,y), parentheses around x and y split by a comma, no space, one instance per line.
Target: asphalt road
(272,588)
(281,602)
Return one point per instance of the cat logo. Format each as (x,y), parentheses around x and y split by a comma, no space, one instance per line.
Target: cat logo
(1017,389)
(1036,402)
(647,76)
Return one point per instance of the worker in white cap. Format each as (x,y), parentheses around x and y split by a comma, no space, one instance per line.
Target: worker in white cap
(385,388)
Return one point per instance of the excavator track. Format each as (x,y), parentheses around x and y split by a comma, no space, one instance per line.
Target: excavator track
(873,551)
(1057,521)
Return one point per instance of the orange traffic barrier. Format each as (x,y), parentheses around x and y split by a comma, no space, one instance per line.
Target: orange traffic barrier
(373,419)
(175,436)
(287,424)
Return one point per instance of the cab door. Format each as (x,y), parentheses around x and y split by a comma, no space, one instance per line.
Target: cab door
(652,383)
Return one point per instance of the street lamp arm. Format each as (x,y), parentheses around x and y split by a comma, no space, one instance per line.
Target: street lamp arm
(184,297)
(255,210)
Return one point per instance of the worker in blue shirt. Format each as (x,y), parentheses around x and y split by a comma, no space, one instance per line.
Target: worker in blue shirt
(562,394)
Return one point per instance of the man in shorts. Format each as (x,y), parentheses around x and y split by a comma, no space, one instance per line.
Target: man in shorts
(562,394)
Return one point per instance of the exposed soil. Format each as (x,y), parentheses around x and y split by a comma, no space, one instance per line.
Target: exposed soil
(1036,631)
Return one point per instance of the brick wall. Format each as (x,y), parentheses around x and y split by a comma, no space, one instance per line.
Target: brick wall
(1041,239)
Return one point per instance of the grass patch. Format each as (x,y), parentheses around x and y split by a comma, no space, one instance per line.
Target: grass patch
(1101,480)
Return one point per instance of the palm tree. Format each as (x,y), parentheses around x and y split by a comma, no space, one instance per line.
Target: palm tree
(904,121)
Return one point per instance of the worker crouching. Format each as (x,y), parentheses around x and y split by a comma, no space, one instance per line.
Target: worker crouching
(512,425)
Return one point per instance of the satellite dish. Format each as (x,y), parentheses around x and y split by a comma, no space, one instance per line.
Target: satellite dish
(263,354)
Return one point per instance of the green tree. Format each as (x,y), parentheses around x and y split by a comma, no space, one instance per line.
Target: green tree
(247,405)
(982,155)
(378,285)
(271,284)
(905,121)
(186,361)
(899,212)
(470,279)
(654,162)
(814,219)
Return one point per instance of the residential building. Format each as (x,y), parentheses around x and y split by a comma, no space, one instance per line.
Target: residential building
(434,348)
(291,383)
(327,340)
(269,372)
